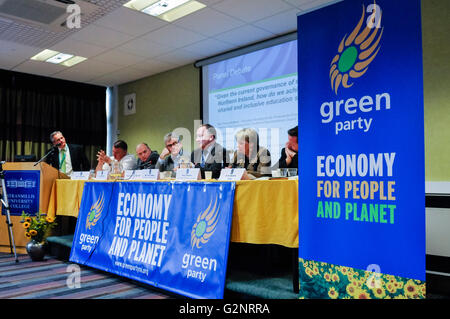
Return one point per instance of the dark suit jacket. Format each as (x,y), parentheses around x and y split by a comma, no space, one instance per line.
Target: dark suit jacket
(282,161)
(77,157)
(216,160)
(150,163)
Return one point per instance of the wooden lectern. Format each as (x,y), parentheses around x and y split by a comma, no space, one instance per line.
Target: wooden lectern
(48,175)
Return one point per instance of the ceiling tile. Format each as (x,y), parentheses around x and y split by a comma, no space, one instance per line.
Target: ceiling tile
(297,3)
(101,36)
(208,47)
(152,66)
(76,76)
(117,57)
(252,10)
(76,47)
(95,67)
(208,22)
(130,22)
(315,4)
(123,45)
(244,35)
(17,49)
(178,57)
(280,23)
(8,62)
(39,68)
(173,36)
(144,48)
(120,76)
(209,2)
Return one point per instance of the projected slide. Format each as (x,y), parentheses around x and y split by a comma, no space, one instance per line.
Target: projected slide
(257,90)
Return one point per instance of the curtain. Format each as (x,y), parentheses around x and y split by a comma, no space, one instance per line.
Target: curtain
(32,107)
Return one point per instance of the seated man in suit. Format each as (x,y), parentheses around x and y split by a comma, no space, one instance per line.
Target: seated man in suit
(120,154)
(211,156)
(147,158)
(171,155)
(67,157)
(289,154)
(250,155)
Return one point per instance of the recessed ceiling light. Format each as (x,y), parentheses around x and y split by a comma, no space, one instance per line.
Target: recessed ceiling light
(139,5)
(44,55)
(59,58)
(168,10)
(73,61)
(182,11)
(56,57)
(163,6)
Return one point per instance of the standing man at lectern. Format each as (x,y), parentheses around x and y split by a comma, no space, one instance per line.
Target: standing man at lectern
(67,157)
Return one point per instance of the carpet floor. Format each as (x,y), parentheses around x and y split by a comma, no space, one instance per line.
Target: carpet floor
(48,279)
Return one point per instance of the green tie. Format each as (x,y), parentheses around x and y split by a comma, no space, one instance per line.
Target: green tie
(62,163)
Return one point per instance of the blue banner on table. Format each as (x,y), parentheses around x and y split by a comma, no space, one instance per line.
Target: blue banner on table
(22,188)
(173,236)
(361,188)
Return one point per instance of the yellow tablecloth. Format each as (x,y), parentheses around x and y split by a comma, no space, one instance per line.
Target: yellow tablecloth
(264,212)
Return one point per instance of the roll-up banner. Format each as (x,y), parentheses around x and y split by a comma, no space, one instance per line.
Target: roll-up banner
(170,235)
(362,184)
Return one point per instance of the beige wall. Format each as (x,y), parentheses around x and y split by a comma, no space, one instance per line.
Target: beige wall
(164,102)
(436,65)
(172,99)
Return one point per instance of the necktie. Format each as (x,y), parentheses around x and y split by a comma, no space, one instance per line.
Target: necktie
(62,163)
(202,165)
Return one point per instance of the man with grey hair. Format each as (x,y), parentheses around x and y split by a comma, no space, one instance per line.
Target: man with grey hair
(250,155)
(67,157)
(171,154)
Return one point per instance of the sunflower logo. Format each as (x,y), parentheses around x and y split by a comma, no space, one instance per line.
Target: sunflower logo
(95,213)
(357,51)
(205,225)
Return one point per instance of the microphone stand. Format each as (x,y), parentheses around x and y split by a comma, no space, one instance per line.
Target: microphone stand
(5,203)
(53,149)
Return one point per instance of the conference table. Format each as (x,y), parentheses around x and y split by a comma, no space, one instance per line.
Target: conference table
(264,211)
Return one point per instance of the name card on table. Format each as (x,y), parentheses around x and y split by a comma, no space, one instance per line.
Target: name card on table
(188,174)
(102,175)
(129,175)
(147,174)
(80,176)
(231,174)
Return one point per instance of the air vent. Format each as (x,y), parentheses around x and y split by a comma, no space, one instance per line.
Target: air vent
(48,14)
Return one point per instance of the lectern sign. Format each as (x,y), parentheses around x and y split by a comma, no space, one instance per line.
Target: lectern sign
(23,191)
(361,181)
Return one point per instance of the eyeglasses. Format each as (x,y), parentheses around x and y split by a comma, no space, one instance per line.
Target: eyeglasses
(170,145)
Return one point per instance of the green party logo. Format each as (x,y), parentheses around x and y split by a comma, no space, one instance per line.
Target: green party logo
(358,50)
(205,225)
(94,213)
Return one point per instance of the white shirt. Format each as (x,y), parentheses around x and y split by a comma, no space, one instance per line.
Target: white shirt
(128,162)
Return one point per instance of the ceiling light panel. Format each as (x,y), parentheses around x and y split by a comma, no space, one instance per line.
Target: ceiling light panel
(163,6)
(44,55)
(56,57)
(59,58)
(167,10)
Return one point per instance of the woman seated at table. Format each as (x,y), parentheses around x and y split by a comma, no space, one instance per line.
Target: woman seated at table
(250,155)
